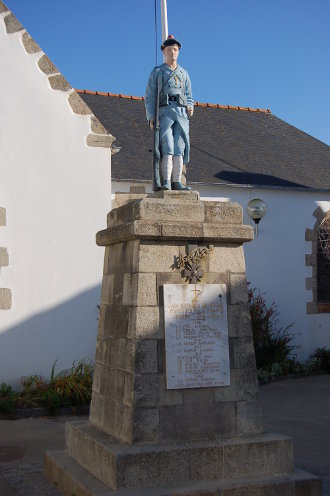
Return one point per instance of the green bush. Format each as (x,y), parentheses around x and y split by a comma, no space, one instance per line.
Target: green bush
(290,366)
(8,398)
(323,355)
(272,344)
(75,386)
(52,400)
(70,388)
(33,387)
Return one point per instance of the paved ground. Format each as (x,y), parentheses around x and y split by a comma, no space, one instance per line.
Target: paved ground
(297,407)
(300,408)
(22,444)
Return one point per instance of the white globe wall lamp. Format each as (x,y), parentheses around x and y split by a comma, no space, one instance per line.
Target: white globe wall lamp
(256,210)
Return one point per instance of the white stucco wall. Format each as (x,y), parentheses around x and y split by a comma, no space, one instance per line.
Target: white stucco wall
(56,192)
(275,260)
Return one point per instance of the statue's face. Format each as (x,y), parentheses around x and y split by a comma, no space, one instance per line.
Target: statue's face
(171,53)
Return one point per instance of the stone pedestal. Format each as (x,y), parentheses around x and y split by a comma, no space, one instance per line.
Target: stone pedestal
(142,438)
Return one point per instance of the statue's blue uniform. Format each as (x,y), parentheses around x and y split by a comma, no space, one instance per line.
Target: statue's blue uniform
(173,119)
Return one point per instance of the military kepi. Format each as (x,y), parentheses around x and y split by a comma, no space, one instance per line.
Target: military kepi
(170,41)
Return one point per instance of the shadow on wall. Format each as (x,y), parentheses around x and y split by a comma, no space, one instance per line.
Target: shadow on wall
(255,179)
(67,331)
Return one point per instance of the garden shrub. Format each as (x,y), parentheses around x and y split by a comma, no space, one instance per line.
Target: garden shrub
(8,398)
(323,354)
(290,366)
(272,344)
(70,388)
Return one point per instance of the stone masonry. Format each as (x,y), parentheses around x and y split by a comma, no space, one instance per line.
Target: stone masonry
(142,438)
(5,293)
(130,346)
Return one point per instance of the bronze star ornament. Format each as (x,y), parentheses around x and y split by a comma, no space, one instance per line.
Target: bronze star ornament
(193,272)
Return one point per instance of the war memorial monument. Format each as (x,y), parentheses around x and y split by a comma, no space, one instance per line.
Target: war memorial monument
(175,407)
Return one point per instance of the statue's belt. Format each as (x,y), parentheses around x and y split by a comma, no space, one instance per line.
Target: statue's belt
(166,99)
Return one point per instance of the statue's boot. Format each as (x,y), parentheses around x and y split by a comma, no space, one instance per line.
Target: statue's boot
(166,185)
(180,186)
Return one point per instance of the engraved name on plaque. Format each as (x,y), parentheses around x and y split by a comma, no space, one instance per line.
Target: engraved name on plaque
(196,335)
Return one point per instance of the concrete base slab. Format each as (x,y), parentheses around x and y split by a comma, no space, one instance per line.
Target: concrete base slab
(72,479)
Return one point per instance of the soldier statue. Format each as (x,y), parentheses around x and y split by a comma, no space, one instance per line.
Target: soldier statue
(169,84)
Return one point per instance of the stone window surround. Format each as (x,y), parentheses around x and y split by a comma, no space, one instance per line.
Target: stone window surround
(314,307)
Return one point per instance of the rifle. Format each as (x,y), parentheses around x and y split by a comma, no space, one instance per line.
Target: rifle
(156,152)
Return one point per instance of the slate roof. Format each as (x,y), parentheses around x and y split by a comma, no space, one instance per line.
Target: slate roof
(228,145)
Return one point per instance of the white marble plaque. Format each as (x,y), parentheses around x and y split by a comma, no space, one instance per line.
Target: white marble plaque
(196,335)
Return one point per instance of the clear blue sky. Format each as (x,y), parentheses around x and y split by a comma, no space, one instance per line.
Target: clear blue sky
(259,53)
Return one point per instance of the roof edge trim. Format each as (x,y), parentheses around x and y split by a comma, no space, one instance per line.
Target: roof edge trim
(197,104)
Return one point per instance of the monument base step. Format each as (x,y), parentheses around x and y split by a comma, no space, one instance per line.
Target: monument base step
(120,465)
(72,479)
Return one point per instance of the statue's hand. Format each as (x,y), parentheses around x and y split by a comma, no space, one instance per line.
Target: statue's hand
(190,111)
(151,124)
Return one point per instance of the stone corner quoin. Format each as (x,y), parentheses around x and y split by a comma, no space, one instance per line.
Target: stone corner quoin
(3,7)
(2,216)
(5,299)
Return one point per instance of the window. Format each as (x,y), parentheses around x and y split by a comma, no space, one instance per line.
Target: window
(323,262)
(319,260)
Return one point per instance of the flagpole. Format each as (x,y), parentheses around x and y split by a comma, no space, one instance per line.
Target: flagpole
(163,7)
